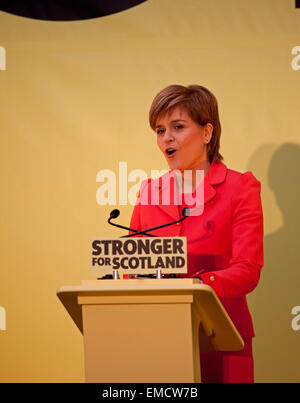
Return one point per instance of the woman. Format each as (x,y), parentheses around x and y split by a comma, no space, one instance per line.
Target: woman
(225,232)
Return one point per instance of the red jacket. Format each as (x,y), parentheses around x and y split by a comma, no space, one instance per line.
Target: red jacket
(224,243)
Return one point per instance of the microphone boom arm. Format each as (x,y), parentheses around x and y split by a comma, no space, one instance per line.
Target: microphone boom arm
(115,213)
(130,229)
(160,226)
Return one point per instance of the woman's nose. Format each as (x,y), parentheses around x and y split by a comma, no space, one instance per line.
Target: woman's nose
(168,136)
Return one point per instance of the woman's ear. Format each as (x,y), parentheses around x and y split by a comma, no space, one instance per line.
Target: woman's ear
(208,132)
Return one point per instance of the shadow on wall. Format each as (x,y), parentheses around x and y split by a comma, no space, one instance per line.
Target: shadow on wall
(277,345)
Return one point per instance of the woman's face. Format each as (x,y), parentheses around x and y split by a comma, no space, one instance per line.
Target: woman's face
(183,141)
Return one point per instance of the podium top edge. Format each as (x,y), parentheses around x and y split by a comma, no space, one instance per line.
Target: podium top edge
(133,287)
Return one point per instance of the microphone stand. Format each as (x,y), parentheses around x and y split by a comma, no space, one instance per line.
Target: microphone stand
(115,214)
(185,213)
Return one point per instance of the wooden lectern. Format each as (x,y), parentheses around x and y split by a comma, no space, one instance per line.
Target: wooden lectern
(148,330)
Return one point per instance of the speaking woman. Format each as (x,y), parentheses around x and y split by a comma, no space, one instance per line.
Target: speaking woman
(224,234)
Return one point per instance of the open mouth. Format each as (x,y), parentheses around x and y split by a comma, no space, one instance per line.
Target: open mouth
(170,151)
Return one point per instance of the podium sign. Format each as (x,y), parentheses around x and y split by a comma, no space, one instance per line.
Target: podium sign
(142,255)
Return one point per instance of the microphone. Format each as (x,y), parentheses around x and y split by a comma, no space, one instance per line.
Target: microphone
(115,214)
(185,213)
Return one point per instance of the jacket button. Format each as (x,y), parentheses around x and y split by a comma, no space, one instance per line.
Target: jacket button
(212,278)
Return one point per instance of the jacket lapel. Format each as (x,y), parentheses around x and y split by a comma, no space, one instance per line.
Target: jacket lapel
(216,175)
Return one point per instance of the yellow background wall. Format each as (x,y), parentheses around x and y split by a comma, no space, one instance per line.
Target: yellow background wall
(74,99)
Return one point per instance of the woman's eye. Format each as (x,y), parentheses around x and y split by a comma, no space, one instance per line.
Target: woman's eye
(177,127)
(160,131)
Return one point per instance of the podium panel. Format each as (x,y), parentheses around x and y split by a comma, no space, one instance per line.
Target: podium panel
(148,330)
